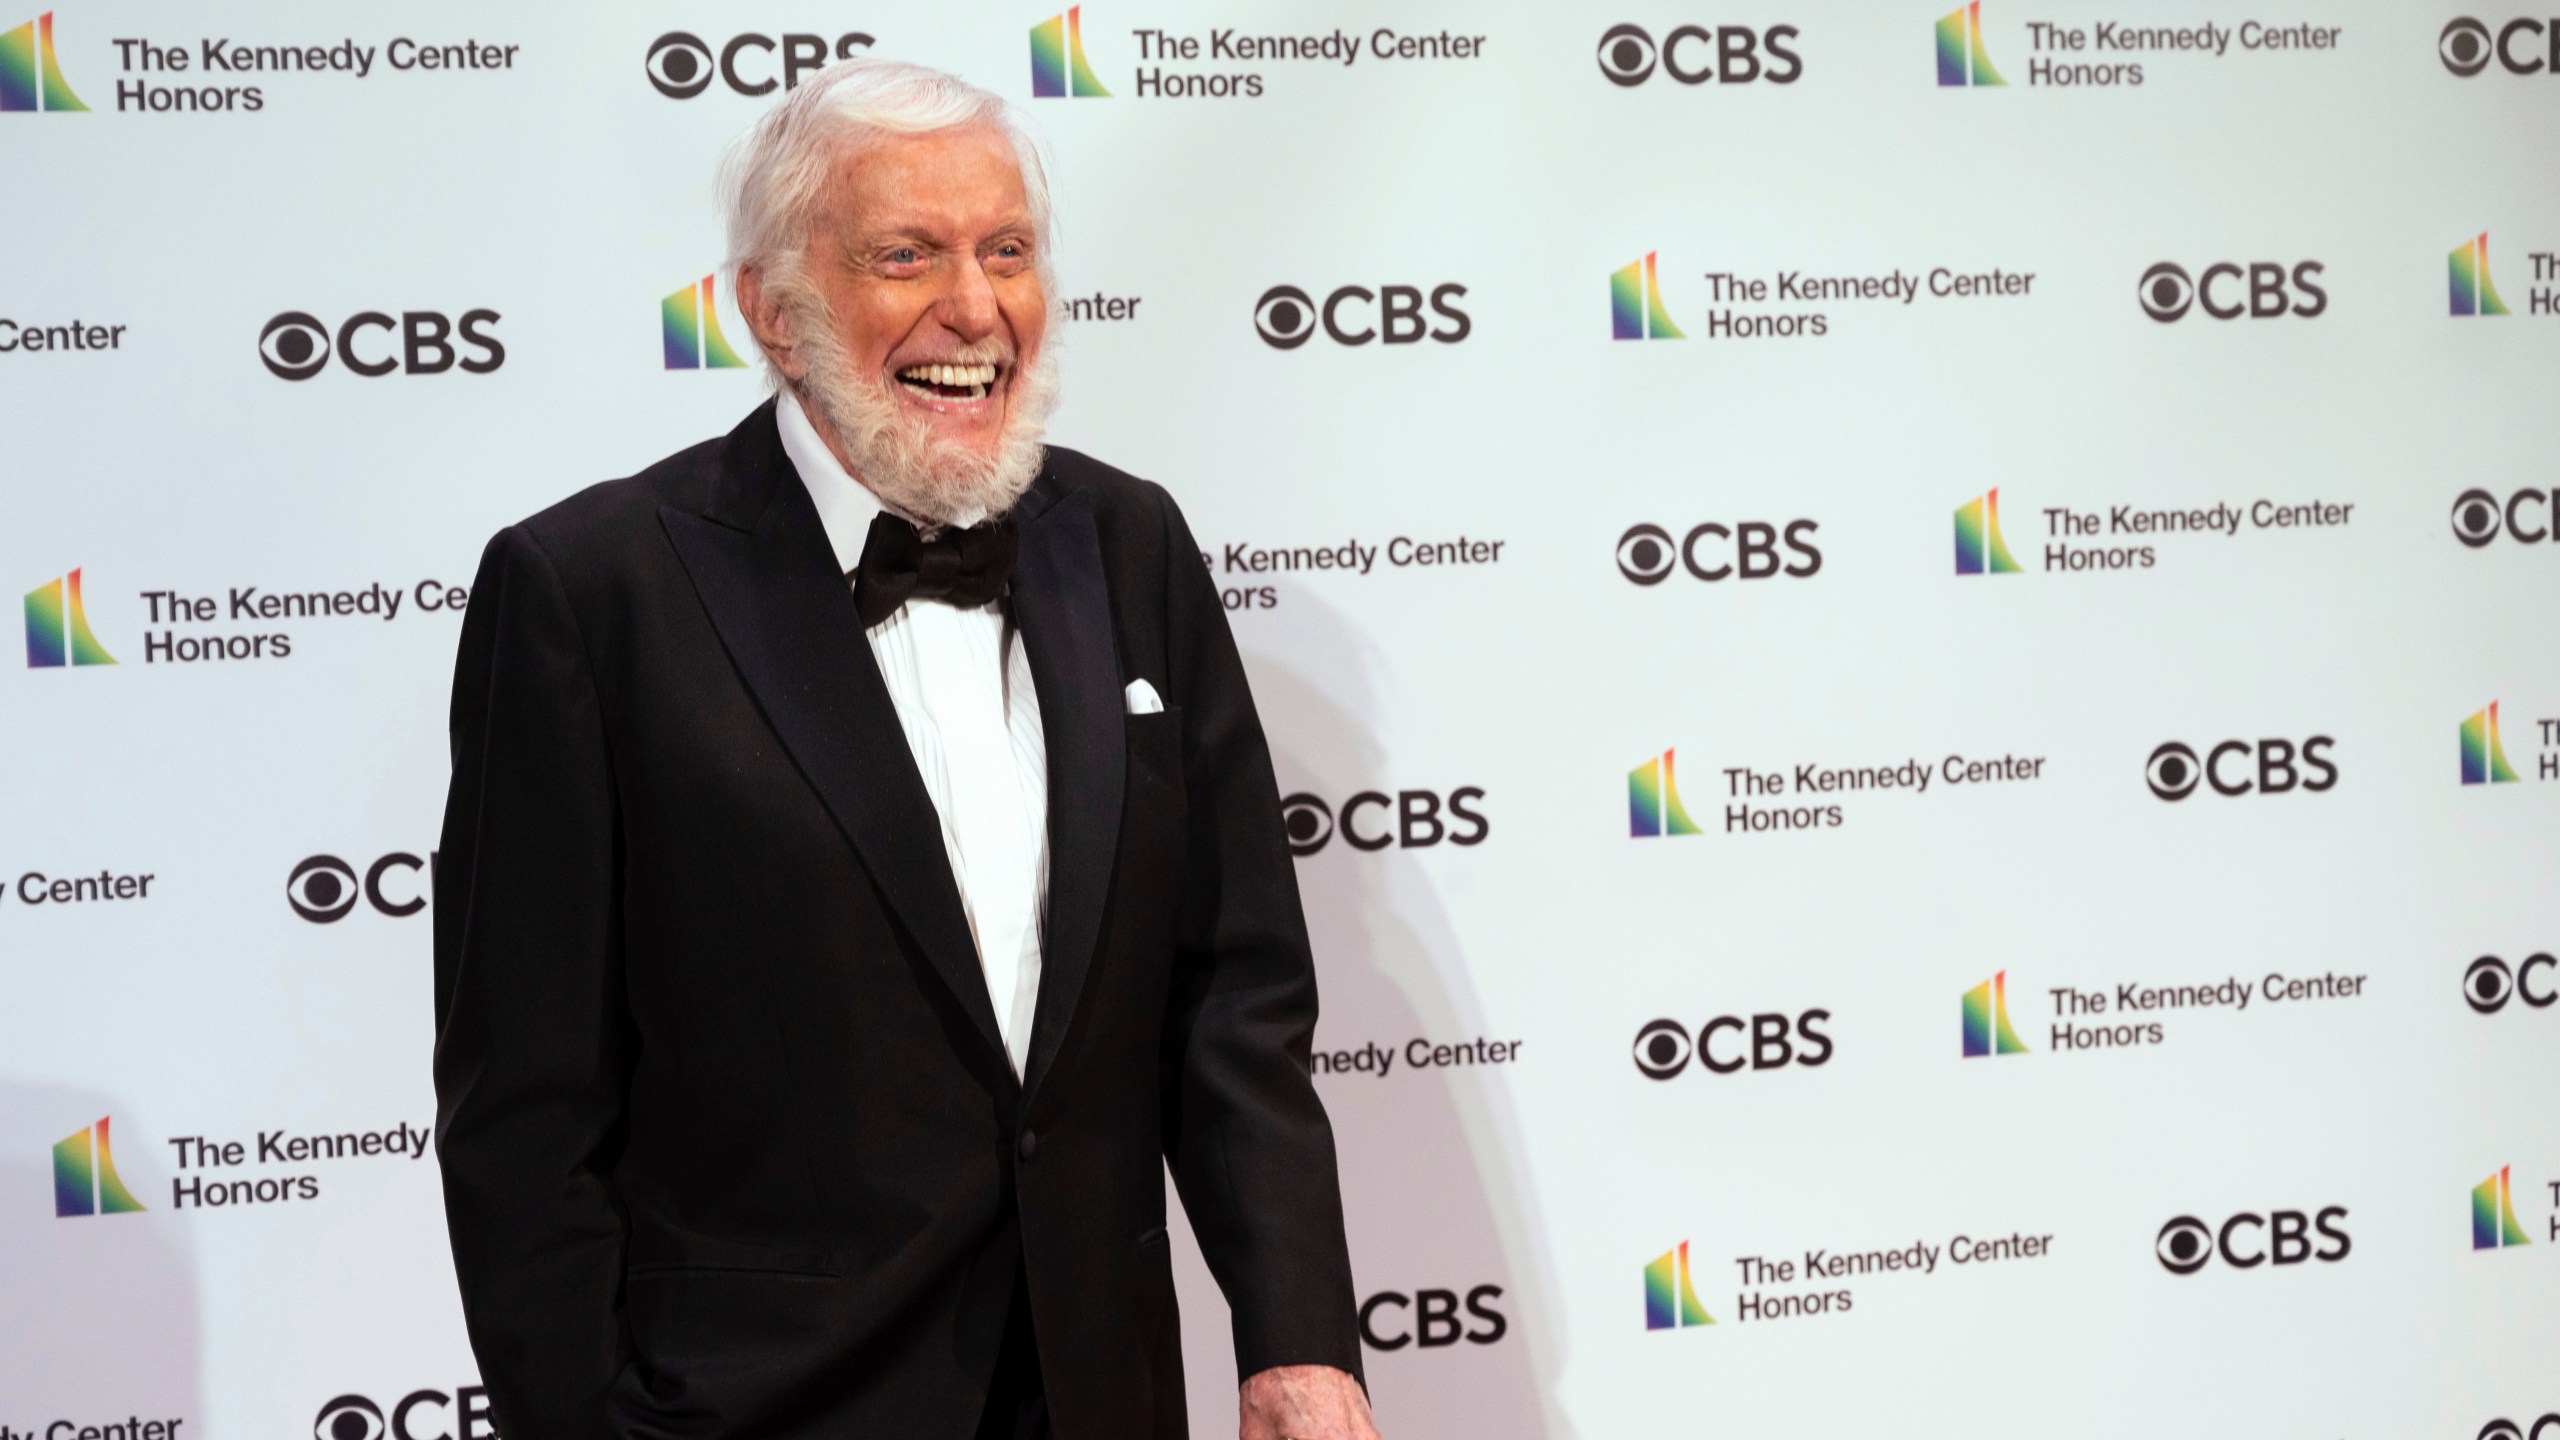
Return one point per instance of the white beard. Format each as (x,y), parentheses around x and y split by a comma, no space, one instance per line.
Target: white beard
(897,455)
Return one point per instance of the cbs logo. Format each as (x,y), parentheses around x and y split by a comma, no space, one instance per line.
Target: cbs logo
(2466,49)
(324,888)
(2489,984)
(295,345)
(1663,1048)
(465,1416)
(681,66)
(2174,772)
(2282,1237)
(1435,1321)
(1286,317)
(2478,518)
(1646,555)
(2168,292)
(1729,53)
(1311,824)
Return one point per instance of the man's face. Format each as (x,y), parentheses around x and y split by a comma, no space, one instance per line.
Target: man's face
(925,254)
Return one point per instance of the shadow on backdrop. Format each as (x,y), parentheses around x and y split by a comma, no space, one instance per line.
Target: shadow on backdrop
(1432,1192)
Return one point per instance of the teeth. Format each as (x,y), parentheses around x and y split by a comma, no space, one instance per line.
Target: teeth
(958,377)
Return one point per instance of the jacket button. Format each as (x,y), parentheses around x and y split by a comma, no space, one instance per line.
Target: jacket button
(1028,1146)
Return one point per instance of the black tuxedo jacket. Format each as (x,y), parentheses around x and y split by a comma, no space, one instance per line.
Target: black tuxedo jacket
(730,1146)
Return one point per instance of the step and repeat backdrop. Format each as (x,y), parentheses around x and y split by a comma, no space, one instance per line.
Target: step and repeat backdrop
(1910,653)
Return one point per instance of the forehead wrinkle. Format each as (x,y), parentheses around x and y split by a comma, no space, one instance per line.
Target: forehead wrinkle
(914,188)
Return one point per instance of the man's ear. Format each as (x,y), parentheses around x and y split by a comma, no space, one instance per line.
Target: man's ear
(765,321)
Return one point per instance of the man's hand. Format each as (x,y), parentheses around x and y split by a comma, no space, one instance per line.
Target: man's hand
(1305,1402)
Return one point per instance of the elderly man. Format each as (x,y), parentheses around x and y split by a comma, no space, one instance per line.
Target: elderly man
(863,874)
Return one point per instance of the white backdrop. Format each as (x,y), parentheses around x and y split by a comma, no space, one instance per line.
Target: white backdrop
(1500,702)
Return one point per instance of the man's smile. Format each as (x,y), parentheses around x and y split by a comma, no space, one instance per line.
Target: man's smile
(951,388)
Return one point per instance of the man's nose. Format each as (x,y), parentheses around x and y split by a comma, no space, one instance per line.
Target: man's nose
(968,303)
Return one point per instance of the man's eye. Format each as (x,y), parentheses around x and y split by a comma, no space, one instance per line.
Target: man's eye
(904,255)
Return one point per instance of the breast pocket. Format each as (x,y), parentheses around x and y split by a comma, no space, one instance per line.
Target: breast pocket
(1153,814)
(1155,748)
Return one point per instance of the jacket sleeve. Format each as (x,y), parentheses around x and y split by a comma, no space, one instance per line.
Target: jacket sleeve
(1246,1135)
(532,1041)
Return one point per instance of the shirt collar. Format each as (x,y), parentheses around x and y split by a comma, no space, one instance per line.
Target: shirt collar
(845,505)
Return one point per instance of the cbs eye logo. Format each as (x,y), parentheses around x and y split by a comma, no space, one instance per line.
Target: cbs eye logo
(1662,1049)
(2168,292)
(1307,821)
(2488,985)
(1310,824)
(353,1417)
(1628,55)
(1287,317)
(2186,1244)
(1284,317)
(681,66)
(296,345)
(1647,554)
(2174,771)
(2478,518)
(1766,1041)
(324,888)
(2466,49)
(349,1417)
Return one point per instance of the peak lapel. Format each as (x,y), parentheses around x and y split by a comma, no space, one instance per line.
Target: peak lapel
(1063,605)
(761,563)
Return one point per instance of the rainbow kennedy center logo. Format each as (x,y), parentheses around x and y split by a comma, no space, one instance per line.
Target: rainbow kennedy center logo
(1980,547)
(2467,279)
(1961,58)
(689,326)
(1986,1020)
(1670,1301)
(1800,792)
(84,1176)
(1653,801)
(2493,1213)
(59,633)
(2107,538)
(1059,69)
(30,76)
(2484,754)
(1635,304)
(58,627)
(1772,302)
(1058,66)
(2060,52)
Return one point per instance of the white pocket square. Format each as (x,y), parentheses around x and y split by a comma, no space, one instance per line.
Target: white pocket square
(1142,699)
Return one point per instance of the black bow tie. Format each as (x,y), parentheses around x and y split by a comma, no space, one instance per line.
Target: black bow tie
(958,567)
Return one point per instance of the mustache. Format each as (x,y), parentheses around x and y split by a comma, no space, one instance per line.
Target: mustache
(994,350)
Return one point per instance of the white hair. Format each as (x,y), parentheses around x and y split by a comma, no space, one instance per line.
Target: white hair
(772,187)
(775,178)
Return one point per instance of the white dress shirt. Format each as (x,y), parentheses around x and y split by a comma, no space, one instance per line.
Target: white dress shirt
(962,686)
